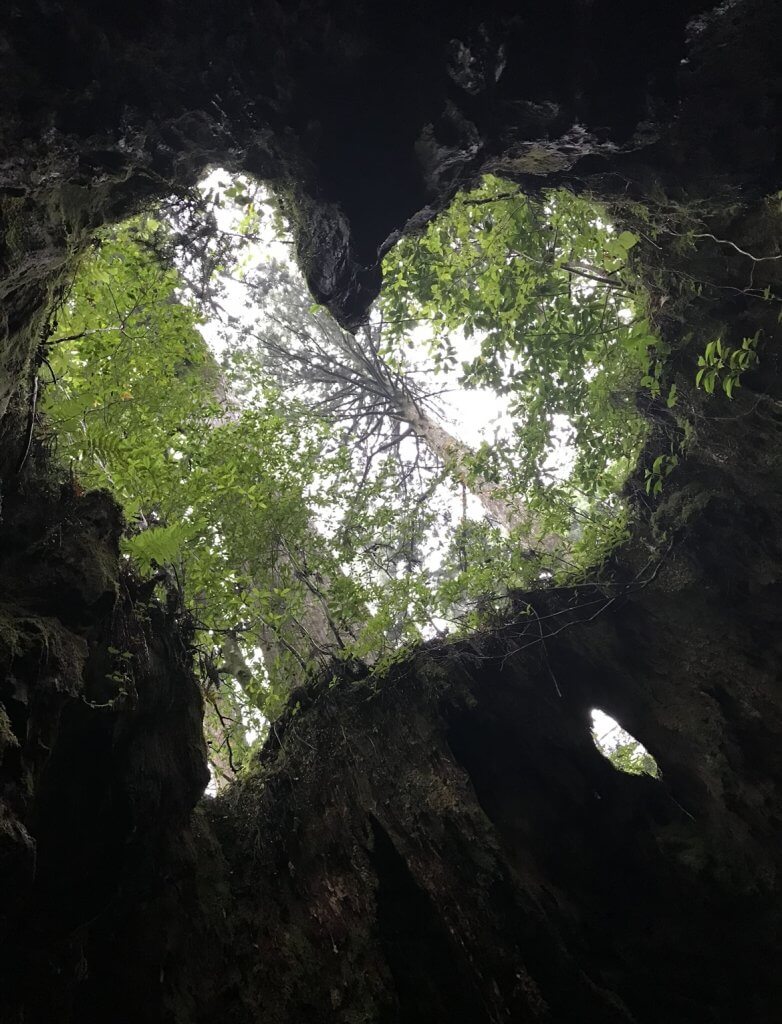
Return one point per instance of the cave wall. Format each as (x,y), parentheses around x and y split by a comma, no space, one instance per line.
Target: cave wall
(339,104)
(101,745)
(445,843)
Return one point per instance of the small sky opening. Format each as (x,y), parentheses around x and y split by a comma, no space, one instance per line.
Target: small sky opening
(624,751)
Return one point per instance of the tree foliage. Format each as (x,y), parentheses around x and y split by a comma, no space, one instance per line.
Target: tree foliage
(541,291)
(210,491)
(623,750)
(252,510)
(306,497)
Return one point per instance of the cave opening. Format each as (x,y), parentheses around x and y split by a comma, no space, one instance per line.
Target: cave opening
(624,751)
(312,495)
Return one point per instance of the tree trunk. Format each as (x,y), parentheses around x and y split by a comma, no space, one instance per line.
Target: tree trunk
(457,456)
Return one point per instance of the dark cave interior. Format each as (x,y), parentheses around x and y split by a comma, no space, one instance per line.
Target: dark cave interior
(448,845)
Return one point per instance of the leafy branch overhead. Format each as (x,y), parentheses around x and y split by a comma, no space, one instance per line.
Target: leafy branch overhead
(543,291)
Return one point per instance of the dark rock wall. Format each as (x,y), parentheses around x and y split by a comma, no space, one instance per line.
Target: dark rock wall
(367,115)
(101,748)
(444,844)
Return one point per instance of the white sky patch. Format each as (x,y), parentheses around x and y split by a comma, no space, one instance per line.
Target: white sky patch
(269,247)
(607,731)
(608,734)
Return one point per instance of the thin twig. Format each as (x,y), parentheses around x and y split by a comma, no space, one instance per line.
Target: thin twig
(727,241)
(30,428)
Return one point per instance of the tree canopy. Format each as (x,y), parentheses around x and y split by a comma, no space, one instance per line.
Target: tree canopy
(302,488)
(543,288)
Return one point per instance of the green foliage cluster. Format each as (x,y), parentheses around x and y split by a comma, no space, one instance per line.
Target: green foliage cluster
(660,470)
(541,293)
(624,751)
(209,490)
(630,756)
(544,287)
(724,364)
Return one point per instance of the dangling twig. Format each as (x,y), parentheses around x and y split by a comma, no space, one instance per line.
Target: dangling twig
(30,428)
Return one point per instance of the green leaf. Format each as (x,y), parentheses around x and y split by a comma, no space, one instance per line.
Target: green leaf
(161,545)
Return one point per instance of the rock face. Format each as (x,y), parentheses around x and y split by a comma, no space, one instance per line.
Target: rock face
(100,732)
(444,844)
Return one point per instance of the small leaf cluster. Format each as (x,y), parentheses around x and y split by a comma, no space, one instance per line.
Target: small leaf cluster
(631,757)
(724,364)
(660,470)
